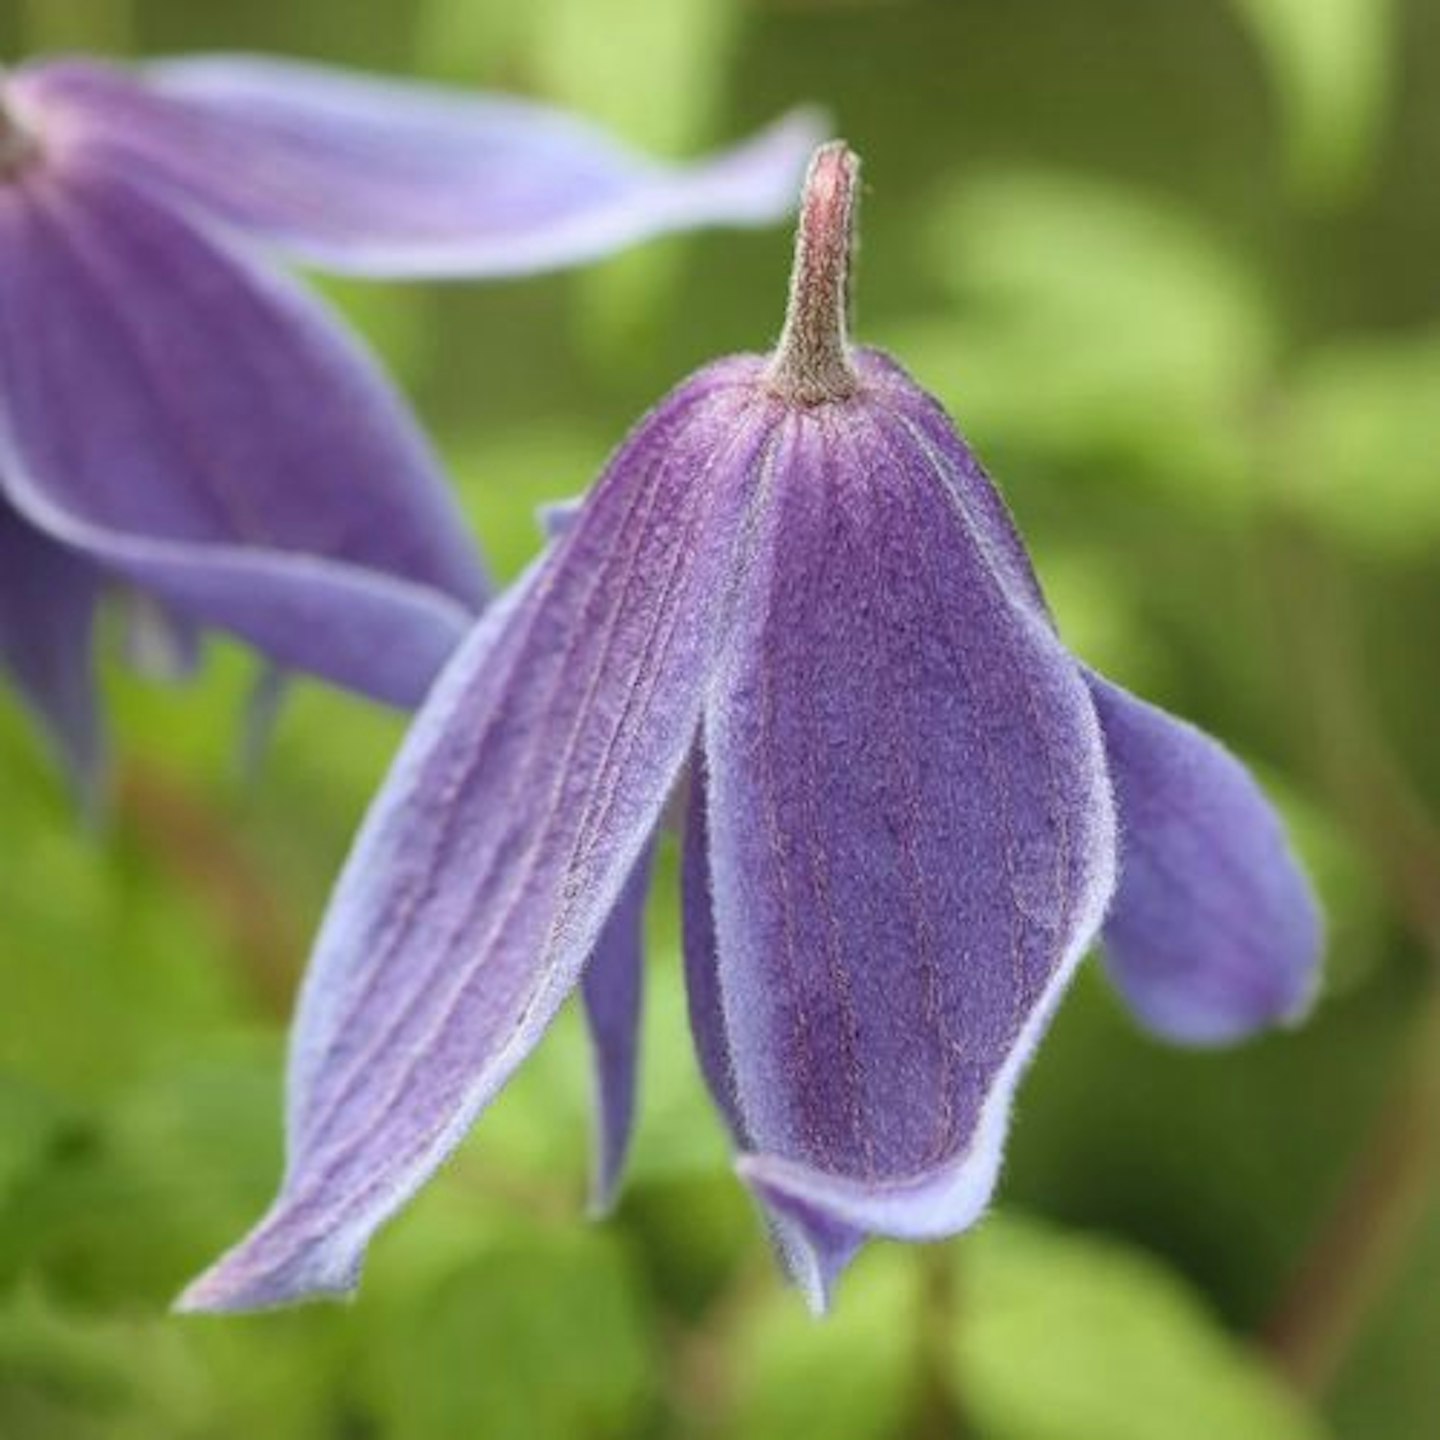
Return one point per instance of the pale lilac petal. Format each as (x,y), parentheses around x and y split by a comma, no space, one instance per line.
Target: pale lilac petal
(612,992)
(1214,932)
(497,850)
(207,432)
(385,178)
(911,839)
(47,612)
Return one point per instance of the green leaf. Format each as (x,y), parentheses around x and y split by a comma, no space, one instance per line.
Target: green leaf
(1360,442)
(1095,322)
(68,1377)
(652,72)
(1096,610)
(395,320)
(106,27)
(1346,874)
(152,1185)
(471,45)
(32,1124)
(1332,65)
(506,474)
(855,1374)
(656,74)
(1071,1337)
(101,955)
(534,1333)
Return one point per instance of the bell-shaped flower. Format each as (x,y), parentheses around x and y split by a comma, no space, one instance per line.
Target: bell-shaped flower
(795,601)
(181,419)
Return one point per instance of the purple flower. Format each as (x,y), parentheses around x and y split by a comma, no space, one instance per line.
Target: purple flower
(178,418)
(795,594)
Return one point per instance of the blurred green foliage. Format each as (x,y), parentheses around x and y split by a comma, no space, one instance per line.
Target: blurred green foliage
(1173,269)
(1331,62)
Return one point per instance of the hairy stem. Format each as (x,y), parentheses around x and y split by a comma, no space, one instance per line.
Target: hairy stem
(812,365)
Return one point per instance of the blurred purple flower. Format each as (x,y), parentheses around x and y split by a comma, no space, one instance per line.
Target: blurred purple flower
(794,588)
(178,417)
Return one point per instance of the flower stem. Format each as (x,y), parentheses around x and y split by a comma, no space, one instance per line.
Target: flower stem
(1360,1246)
(939,1413)
(811,364)
(1350,1265)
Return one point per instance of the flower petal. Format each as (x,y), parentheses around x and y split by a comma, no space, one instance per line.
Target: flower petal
(47,612)
(612,991)
(385,178)
(1214,932)
(793,1243)
(209,433)
(498,848)
(911,839)
(702,972)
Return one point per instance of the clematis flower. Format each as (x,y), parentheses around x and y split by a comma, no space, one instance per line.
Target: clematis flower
(180,419)
(795,590)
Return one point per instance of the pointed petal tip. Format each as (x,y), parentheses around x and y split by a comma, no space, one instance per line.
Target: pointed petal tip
(754,182)
(814,1247)
(814,1262)
(377,176)
(783,150)
(1215,934)
(841,1210)
(602,1199)
(263,1272)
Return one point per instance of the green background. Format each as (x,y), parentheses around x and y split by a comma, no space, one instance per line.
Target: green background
(1173,266)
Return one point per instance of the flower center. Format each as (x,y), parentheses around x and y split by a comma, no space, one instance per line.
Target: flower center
(811,364)
(18,148)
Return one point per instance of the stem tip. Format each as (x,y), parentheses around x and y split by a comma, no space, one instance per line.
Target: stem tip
(812,364)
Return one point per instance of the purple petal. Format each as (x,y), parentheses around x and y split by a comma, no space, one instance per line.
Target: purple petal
(702,972)
(794,1243)
(528,787)
(385,178)
(911,837)
(611,989)
(47,612)
(980,502)
(208,432)
(1214,932)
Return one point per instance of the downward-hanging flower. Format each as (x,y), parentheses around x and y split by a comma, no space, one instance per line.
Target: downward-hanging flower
(178,417)
(795,590)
